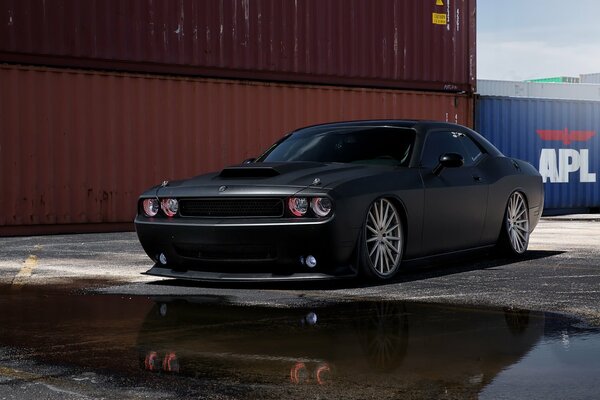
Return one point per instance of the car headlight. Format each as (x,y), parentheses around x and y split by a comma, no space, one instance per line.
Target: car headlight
(298,205)
(150,207)
(169,206)
(321,206)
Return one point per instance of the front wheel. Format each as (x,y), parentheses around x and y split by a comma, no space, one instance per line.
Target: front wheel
(382,241)
(515,229)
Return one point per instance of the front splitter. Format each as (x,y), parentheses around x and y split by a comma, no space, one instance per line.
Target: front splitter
(241,277)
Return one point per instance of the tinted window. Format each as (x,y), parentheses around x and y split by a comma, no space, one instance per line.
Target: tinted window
(473,151)
(438,143)
(367,145)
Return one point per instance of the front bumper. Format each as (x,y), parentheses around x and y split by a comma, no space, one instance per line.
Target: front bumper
(203,276)
(248,250)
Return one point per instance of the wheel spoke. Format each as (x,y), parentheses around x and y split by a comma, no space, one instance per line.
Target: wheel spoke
(388,220)
(382,212)
(373,250)
(372,239)
(388,244)
(381,259)
(391,229)
(386,258)
(390,256)
(513,238)
(377,216)
(516,242)
(384,219)
(372,218)
(372,230)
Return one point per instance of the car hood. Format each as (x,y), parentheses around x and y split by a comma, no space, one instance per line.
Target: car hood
(270,176)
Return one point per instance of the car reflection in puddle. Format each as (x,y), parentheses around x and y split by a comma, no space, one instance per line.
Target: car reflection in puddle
(380,345)
(350,350)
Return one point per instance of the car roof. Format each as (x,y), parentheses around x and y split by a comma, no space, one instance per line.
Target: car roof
(419,126)
(400,123)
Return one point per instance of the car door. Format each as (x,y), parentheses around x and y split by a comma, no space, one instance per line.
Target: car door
(455,200)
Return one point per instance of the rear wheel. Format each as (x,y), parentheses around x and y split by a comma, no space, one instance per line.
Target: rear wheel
(515,229)
(382,240)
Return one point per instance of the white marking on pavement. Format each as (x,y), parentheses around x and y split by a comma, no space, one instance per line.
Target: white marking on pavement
(25,271)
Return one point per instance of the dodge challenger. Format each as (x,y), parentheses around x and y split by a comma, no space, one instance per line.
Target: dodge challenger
(359,198)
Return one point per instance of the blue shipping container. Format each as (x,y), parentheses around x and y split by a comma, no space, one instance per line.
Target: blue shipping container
(561,138)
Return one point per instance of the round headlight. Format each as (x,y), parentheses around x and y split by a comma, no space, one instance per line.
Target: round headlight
(169,206)
(298,205)
(321,206)
(150,207)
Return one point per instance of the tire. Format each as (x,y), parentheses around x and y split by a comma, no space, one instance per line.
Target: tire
(382,241)
(514,236)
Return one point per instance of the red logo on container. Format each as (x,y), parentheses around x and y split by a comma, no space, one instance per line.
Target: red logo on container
(565,135)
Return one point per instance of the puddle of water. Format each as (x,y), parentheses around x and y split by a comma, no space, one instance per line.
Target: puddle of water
(352,350)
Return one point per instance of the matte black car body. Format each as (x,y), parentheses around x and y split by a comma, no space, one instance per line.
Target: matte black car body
(442,212)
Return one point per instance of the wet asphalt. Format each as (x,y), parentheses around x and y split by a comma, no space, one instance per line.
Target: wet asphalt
(78,317)
(560,273)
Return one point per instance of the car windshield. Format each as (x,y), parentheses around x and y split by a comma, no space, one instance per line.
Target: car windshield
(361,145)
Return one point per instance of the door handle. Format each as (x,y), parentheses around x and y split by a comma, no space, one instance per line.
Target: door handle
(477,178)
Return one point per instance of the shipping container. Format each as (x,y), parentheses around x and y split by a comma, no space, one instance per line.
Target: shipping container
(78,147)
(590,78)
(406,44)
(559,137)
(556,79)
(564,91)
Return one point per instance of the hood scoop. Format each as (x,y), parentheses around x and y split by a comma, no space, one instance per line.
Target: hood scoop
(266,170)
(248,172)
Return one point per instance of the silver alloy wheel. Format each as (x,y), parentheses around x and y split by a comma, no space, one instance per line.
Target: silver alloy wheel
(517,223)
(383,233)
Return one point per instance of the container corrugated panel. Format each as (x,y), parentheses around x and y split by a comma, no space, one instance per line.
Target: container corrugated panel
(590,78)
(559,137)
(79,147)
(386,43)
(564,91)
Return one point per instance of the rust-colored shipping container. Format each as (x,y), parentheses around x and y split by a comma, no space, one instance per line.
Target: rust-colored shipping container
(77,147)
(406,44)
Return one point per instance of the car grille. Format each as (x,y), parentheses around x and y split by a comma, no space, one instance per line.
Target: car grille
(227,252)
(222,207)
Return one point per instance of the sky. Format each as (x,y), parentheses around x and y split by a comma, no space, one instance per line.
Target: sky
(526,39)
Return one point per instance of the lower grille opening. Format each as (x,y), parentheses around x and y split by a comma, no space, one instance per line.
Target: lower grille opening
(227,252)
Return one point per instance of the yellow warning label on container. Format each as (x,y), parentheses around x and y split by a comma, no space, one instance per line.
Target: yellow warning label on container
(439,3)
(439,19)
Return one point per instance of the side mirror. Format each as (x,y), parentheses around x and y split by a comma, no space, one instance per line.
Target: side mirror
(448,160)
(248,160)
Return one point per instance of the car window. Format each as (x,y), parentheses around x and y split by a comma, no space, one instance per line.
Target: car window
(473,151)
(360,145)
(441,142)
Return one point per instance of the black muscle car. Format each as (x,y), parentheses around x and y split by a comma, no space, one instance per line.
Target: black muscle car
(340,200)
